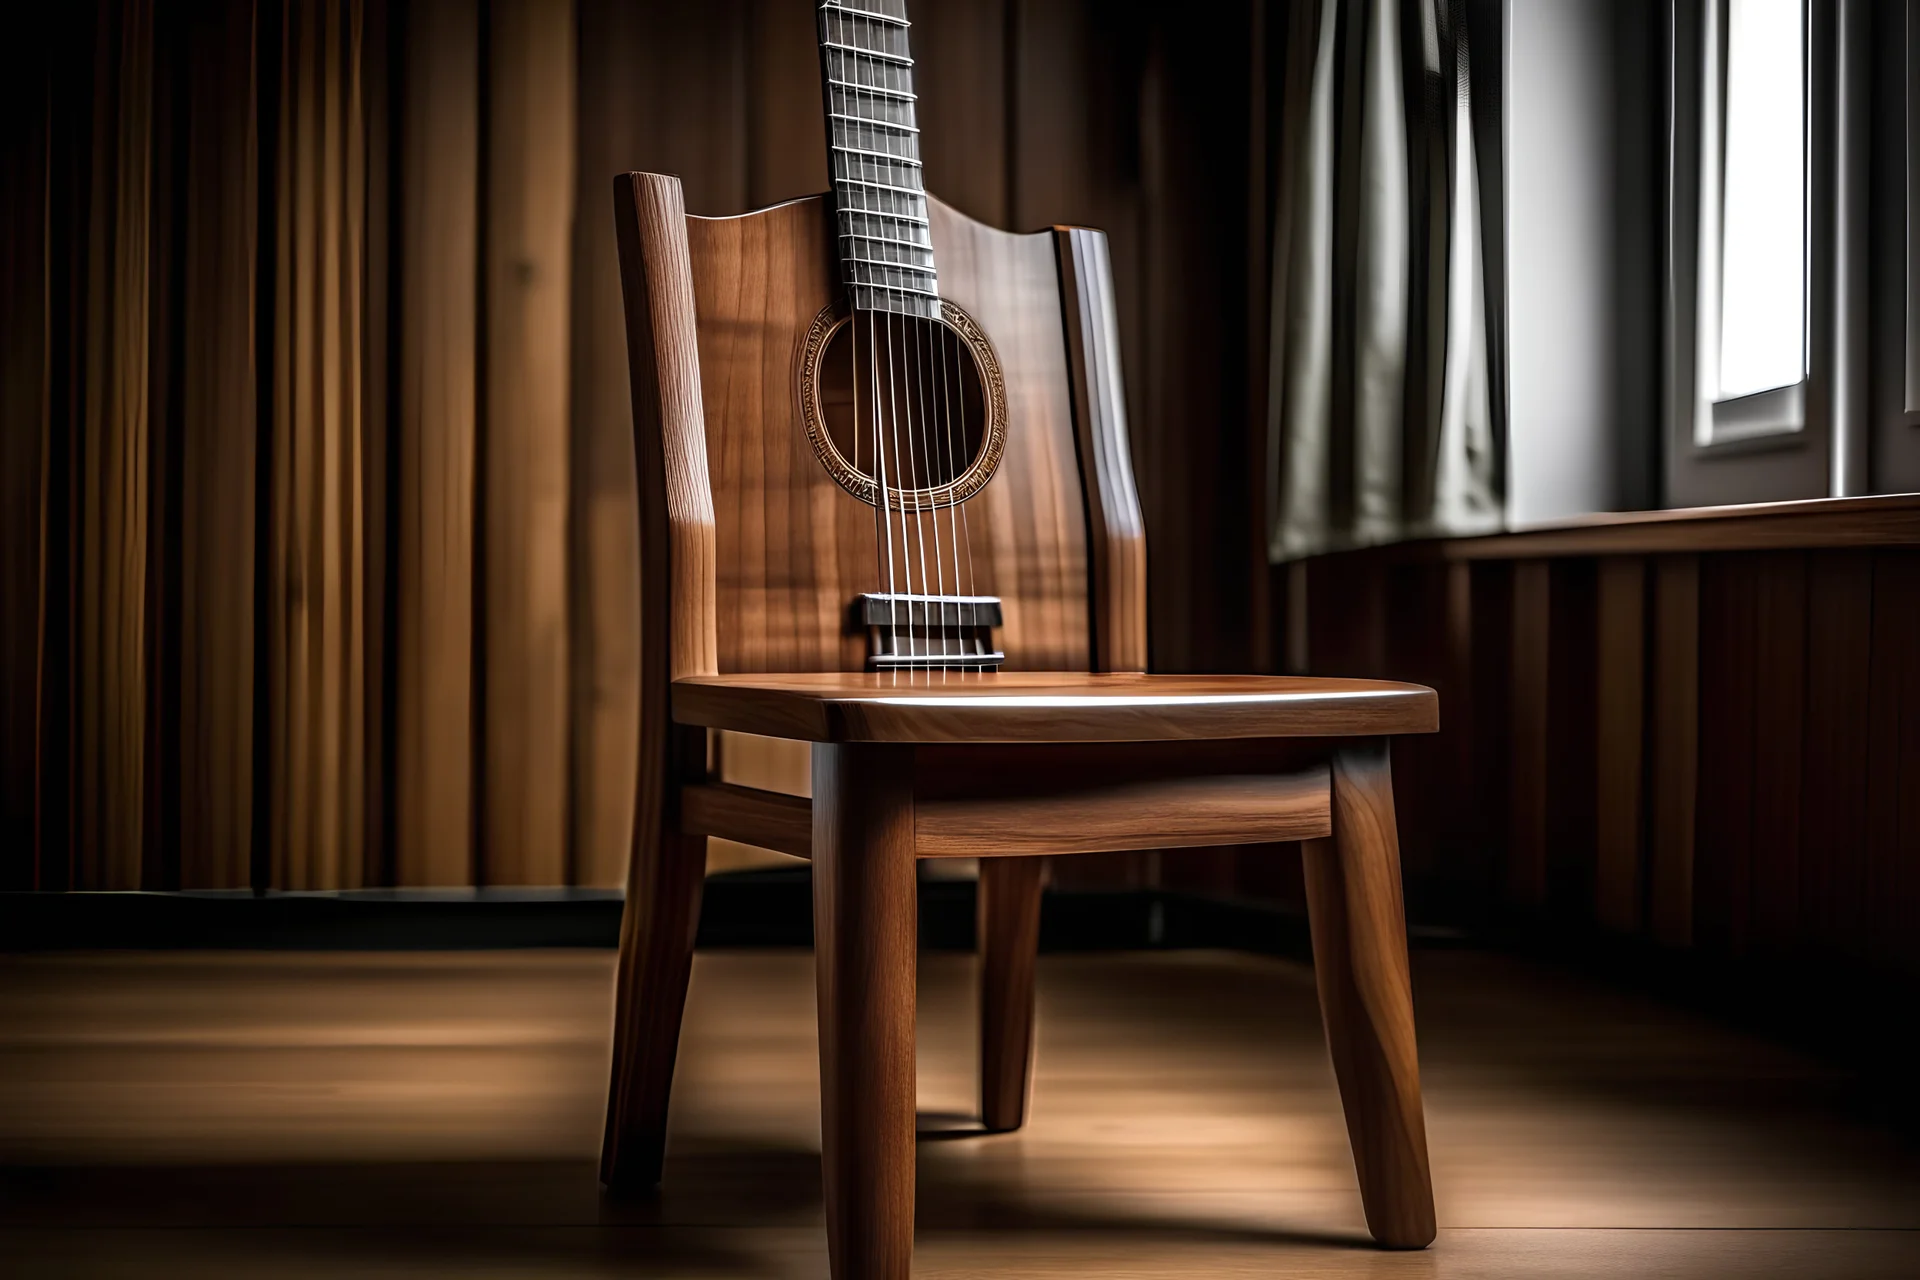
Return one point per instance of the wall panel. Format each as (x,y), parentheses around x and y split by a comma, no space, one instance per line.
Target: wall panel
(1685,745)
(438,377)
(217,415)
(25,175)
(1892,913)
(316,540)
(529,212)
(109,482)
(1839,665)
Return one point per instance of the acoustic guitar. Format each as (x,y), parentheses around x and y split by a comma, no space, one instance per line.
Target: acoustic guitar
(896,479)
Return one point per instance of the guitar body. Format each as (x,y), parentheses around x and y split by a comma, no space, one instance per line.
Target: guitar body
(793,548)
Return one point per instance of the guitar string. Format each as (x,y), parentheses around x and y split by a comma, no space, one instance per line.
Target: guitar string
(913,393)
(883,533)
(920,347)
(943,418)
(961,354)
(887,476)
(936,476)
(914,534)
(928,514)
(899,462)
(946,439)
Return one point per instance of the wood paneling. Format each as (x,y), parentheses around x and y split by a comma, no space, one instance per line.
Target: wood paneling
(1526,870)
(25,425)
(1834,850)
(317,544)
(295,633)
(660,90)
(439,263)
(1725,741)
(1891,892)
(109,492)
(217,414)
(529,209)
(1779,737)
(1619,884)
(1572,741)
(960,73)
(1195,213)
(1723,814)
(1674,747)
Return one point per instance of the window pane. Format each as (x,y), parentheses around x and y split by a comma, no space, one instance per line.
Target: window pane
(1763,290)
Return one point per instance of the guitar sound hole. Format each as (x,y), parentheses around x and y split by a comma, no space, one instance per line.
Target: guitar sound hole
(905,396)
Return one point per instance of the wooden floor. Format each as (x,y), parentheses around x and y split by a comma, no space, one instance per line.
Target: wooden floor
(438,1114)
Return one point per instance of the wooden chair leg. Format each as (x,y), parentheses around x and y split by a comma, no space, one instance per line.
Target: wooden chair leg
(656,957)
(1009,929)
(1366,997)
(864,922)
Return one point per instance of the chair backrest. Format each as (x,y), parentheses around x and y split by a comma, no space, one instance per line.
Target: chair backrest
(752,553)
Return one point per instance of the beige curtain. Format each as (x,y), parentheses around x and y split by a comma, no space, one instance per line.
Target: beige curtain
(1384,413)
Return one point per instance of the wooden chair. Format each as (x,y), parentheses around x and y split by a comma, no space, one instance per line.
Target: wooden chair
(751,555)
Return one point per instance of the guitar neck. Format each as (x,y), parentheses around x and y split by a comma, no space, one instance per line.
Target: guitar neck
(873,151)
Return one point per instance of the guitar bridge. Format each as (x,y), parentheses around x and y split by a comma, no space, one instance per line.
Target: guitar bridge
(925,632)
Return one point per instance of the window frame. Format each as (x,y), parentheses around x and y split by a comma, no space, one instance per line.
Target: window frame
(1895,232)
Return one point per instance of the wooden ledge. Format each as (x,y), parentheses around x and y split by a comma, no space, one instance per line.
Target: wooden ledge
(1890,520)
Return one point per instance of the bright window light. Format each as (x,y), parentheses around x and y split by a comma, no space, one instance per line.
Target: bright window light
(1763,281)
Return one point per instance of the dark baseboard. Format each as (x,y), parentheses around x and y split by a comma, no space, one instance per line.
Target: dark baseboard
(770,908)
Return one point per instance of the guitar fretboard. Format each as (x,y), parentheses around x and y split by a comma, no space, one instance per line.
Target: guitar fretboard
(873,147)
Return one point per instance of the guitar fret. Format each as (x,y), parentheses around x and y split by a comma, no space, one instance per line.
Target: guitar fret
(904,244)
(883,83)
(918,284)
(875,213)
(897,59)
(878,155)
(906,129)
(880,62)
(869,14)
(897,287)
(897,94)
(883,186)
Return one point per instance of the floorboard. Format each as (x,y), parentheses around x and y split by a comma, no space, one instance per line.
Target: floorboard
(438,1114)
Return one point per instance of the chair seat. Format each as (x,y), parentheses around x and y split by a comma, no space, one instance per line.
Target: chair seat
(1049,706)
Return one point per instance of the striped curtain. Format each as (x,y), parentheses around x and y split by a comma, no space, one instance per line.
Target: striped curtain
(1385,401)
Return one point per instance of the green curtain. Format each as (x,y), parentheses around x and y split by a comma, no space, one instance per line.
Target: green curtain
(1386,407)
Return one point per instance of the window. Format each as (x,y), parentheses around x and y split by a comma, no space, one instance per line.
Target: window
(1753,370)
(1758,202)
